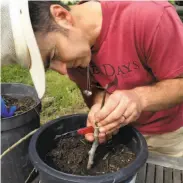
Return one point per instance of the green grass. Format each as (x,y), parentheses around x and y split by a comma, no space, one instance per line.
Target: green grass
(62,95)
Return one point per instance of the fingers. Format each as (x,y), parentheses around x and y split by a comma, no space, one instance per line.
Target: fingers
(132,118)
(116,131)
(121,115)
(103,137)
(90,137)
(115,115)
(90,122)
(108,127)
(109,134)
(121,108)
(131,114)
(108,108)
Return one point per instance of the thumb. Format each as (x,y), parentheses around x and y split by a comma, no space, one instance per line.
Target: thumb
(89,136)
(91,121)
(91,116)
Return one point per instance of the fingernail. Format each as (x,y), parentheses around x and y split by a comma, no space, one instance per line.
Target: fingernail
(102,135)
(101,130)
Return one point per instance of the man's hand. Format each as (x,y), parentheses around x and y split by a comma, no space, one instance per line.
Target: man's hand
(120,109)
(91,122)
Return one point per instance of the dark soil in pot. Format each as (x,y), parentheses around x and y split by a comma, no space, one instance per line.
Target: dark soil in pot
(71,156)
(23,104)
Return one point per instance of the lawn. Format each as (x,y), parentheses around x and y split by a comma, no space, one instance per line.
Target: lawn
(62,95)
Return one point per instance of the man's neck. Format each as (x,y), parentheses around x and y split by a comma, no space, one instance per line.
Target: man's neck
(88,17)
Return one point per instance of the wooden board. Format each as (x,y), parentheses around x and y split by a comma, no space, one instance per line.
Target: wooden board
(141,175)
(168,175)
(177,176)
(159,174)
(151,173)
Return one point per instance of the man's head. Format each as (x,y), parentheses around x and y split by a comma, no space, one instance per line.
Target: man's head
(48,34)
(62,44)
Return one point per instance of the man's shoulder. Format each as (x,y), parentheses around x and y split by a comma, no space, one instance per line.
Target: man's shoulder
(138,8)
(153,8)
(150,4)
(154,5)
(141,14)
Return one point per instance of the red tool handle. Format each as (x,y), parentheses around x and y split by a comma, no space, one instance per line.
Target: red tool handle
(83,131)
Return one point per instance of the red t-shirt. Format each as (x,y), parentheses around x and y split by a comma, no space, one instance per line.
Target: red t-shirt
(140,43)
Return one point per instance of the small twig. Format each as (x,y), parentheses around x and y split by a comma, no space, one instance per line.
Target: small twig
(114,181)
(100,172)
(82,141)
(30,175)
(17,143)
(107,164)
(105,157)
(93,149)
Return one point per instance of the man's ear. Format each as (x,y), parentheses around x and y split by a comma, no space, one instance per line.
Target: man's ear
(61,16)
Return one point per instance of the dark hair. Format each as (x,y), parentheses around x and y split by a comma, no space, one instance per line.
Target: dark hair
(41,18)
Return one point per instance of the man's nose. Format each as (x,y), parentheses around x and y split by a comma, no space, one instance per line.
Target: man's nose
(59,67)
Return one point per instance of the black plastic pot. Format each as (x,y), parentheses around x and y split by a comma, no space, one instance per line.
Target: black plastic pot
(180,3)
(179,9)
(43,141)
(16,165)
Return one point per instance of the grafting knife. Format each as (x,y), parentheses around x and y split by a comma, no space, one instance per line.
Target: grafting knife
(80,131)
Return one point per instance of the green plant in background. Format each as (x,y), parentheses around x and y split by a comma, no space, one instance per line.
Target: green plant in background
(15,73)
(62,95)
(172,2)
(70,2)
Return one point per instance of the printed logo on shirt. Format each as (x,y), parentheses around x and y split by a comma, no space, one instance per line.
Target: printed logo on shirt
(110,70)
(113,71)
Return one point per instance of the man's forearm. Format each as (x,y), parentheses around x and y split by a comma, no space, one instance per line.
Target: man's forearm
(162,95)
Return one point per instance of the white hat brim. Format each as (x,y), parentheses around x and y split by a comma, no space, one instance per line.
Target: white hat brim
(34,61)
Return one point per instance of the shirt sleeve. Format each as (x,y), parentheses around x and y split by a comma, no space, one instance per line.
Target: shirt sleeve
(165,54)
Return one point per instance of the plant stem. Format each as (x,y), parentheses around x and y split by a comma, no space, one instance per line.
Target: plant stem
(30,175)
(17,143)
(93,149)
(96,134)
